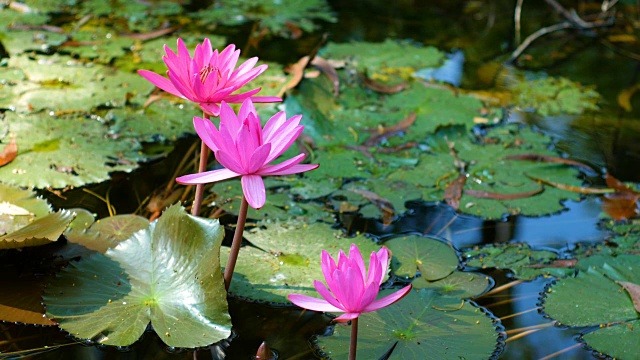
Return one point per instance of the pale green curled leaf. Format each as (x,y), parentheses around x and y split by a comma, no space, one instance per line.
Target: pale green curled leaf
(41,231)
(458,284)
(434,259)
(286,259)
(595,297)
(425,325)
(107,232)
(167,274)
(19,207)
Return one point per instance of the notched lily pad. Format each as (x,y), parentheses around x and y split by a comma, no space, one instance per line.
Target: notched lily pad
(595,297)
(434,259)
(425,325)
(168,274)
(286,259)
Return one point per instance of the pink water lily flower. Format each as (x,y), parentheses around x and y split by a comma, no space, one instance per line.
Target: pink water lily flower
(246,149)
(208,77)
(352,289)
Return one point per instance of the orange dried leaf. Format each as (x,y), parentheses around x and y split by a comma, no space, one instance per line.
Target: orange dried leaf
(634,292)
(9,153)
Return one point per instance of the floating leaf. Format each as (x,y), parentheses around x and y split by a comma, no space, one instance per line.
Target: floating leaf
(457,284)
(595,297)
(634,292)
(9,152)
(425,325)
(41,231)
(108,232)
(286,259)
(434,259)
(167,274)
(524,262)
(553,96)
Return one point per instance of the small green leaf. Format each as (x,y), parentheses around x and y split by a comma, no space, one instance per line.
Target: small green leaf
(458,284)
(434,259)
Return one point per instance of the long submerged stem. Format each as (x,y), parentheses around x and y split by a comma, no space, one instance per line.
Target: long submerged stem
(204,154)
(354,339)
(235,245)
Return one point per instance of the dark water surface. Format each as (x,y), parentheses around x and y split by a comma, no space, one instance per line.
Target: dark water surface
(484,30)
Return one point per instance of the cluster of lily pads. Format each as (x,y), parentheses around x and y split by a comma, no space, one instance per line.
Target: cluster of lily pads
(383,136)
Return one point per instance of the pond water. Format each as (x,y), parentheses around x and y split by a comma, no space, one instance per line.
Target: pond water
(484,30)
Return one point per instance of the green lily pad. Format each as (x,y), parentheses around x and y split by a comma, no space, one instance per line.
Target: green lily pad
(96,43)
(524,262)
(63,84)
(554,96)
(375,57)
(40,231)
(595,298)
(274,17)
(425,325)
(434,259)
(167,274)
(286,259)
(279,206)
(458,284)
(108,232)
(18,42)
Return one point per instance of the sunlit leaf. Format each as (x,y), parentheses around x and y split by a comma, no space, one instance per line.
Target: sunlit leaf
(433,258)
(168,275)
(107,232)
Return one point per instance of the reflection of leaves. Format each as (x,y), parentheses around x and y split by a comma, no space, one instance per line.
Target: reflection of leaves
(168,274)
(425,325)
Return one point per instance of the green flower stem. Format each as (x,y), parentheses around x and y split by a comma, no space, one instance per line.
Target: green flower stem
(235,245)
(354,339)
(204,154)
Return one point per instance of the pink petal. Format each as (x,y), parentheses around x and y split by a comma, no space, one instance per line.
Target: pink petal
(161,82)
(207,177)
(328,267)
(184,89)
(352,288)
(229,161)
(212,109)
(369,295)
(311,303)
(237,98)
(347,316)
(229,119)
(254,191)
(283,166)
(356,259)
(266,99)
(388,300)
(247,108)
(258,157)
(205,128)
(273,124)
(281,144)
(322,290)
(246,66)
(294,170)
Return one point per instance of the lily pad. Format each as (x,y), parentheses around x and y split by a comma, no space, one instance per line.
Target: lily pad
(272,17)
(425,325)
(457,284)
(279,206)
(595,298)
(40,231)
(108,232)
(285,259)
(524,262)
(554,96)
(434,259)
(167,274)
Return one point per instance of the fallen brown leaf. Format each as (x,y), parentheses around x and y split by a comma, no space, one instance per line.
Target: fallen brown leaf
(9,153)
(330,71)
(548,159)
(380,87)
(578,189)
(634,292)
(498,196)
(453,192)
(386,132)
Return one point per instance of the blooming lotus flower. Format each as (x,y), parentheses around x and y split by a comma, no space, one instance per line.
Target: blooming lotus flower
(208,77)
(352,290)
(246,149)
